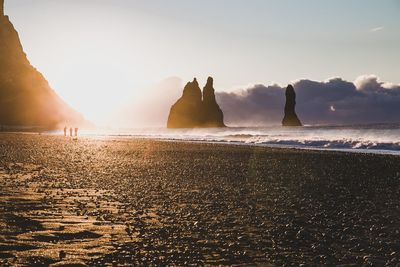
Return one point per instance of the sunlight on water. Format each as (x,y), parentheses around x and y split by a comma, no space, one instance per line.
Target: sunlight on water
(378,138)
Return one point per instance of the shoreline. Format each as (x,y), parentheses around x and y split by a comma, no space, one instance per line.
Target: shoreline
(142,202)
(289,147)
(236,143)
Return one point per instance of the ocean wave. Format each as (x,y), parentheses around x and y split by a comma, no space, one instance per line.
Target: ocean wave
(336,144)
(369,138)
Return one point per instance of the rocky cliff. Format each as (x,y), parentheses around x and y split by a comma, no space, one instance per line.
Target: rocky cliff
(290,118)
(26,98)
(194,110)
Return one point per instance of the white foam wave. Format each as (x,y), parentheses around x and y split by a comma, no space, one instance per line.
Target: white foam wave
(376,138)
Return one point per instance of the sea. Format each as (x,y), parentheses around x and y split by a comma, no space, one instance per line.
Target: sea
(371,138)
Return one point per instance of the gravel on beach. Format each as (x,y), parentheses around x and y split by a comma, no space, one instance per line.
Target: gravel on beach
(114,201)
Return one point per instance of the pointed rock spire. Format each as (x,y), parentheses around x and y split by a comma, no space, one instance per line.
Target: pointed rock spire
(290,118)
(213,116)
(209,92)
(192,90)
(195,110)
(186,112)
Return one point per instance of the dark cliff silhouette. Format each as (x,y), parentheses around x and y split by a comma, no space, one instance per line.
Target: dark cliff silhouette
(193,110)
(26,98)
(290,118)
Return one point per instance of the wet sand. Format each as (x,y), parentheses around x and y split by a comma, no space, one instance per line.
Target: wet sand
(144,202)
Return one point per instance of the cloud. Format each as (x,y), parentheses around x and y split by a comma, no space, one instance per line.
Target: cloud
(335,101)
(376,29)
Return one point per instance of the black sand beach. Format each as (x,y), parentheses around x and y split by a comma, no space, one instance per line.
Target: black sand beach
(125,202)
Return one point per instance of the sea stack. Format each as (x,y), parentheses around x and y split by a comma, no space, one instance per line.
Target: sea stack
(194,110)
(212,114)
(187,111)
(26,98)
(290,118)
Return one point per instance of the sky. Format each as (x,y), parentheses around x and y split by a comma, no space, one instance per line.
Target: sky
(367,100)
(100,55)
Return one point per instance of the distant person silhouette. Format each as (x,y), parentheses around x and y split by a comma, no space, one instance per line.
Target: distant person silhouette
(65,131)
(70,131)
(76,131)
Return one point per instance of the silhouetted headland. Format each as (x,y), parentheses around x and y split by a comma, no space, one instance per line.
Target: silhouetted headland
(26,98)
(290,118)
(196,110)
